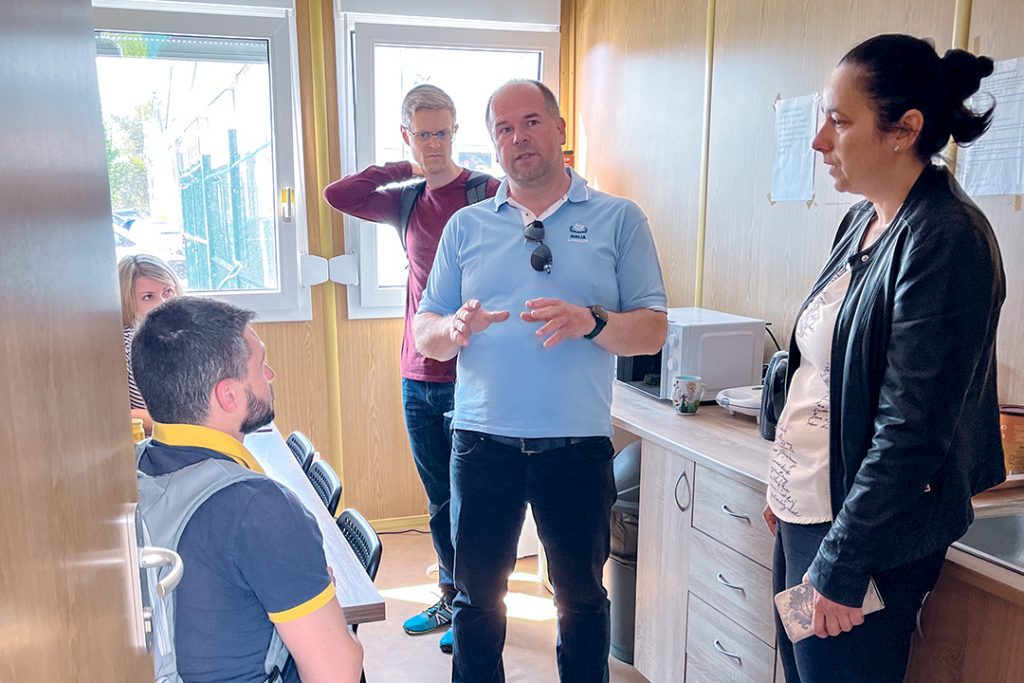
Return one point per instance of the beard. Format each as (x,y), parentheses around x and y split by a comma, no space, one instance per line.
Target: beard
(260,413)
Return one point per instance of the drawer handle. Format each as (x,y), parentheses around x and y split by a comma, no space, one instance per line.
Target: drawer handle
(725,582)
(737,515)
(721,648)
(675,493)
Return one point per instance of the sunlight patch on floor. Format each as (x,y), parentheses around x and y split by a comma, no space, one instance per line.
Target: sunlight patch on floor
(425,594)
(529,607)
(519,605)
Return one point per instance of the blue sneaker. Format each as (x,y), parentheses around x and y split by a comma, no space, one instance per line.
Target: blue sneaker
(447,641)
(434,617)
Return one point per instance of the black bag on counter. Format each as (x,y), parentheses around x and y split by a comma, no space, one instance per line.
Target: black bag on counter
(773,395)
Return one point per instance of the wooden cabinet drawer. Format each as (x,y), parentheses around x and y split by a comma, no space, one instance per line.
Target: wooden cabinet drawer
(731,513)
(738,587)
(717,649)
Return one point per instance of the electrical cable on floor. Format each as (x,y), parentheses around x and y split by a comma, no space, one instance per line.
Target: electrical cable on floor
(403,531)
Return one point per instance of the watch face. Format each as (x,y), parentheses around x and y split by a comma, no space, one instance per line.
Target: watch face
(599,312)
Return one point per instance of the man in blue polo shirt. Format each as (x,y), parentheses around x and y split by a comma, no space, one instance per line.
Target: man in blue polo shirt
(253,556)
(532,404)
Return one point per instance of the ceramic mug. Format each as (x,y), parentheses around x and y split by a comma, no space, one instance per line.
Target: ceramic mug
(687,391)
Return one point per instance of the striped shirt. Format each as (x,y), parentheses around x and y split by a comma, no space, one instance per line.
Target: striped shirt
(133,390)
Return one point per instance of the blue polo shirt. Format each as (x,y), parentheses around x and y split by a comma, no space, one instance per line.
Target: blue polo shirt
(508,384)
(253,557)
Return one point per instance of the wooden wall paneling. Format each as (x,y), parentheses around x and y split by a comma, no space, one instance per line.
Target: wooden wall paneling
(639,94)
(296,353)
(378,462)
(997,30)
(762,259)
(380,479)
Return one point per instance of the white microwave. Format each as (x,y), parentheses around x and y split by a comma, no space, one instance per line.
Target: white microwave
(725,350)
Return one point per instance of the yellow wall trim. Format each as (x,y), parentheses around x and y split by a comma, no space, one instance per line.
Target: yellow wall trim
(705,155)
(319,15)
(961,36)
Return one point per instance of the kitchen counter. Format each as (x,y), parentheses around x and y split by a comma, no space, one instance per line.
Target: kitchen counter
(732,445)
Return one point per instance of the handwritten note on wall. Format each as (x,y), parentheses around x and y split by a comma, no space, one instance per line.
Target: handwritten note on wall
(796,122)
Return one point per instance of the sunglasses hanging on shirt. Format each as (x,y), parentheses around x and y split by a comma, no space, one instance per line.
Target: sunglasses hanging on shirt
(541,258)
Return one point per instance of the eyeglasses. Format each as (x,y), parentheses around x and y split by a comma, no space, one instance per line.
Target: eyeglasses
(540,259)
(425,135)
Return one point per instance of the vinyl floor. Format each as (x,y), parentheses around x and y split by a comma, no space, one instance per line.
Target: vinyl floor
(391,656)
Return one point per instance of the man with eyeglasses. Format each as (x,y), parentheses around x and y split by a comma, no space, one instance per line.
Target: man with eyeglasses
(419,210)
(532,408)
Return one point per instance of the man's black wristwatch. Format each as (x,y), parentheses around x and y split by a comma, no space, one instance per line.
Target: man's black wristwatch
(600,320)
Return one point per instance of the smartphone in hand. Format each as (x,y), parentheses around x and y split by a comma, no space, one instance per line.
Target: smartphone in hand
(796,608)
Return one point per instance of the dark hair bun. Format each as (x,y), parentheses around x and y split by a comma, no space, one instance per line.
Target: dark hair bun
(963,72)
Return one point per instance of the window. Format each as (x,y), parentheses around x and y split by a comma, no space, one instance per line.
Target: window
(386,60)
(202,148)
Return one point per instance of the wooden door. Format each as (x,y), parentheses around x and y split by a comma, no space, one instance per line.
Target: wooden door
(66,468)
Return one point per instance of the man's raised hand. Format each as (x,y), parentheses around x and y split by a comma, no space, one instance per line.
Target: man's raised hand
(470,319)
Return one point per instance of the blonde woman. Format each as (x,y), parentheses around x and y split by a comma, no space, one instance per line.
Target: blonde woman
(146,282)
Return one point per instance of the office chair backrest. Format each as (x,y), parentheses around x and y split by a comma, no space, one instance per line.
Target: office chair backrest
(363,538)
(302,448)
(327,484)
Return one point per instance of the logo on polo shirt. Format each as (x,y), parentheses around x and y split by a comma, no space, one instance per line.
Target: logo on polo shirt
(577,233)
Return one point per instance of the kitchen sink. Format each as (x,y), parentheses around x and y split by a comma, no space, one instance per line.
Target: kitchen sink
(997,539)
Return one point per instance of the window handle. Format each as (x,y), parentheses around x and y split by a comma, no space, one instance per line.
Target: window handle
(287,204)
(737,515)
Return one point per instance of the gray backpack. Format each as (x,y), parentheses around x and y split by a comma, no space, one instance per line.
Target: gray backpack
(166,504)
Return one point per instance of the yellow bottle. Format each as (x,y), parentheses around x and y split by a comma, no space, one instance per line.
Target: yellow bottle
(138,433)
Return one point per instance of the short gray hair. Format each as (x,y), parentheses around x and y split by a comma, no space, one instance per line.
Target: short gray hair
(182,349)
(425,96)
(550,101)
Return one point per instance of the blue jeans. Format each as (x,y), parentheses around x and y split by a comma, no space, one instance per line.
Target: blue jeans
(425,405)
(875,651)
(572,490)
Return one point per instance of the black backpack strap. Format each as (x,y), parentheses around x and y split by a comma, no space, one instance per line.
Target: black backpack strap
(476,187)
(476,191)
(410,193)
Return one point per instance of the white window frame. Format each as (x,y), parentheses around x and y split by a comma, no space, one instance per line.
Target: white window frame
(356,36)
(273,21)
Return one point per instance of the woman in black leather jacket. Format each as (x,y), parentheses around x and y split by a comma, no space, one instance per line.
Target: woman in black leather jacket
(891,421)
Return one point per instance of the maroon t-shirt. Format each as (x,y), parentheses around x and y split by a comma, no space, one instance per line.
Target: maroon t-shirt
(365,196)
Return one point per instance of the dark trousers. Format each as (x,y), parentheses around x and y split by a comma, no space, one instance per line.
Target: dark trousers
(430,440)
(877,650)
(572,490)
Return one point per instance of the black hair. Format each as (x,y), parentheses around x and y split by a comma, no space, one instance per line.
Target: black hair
(182,349)
(901,72)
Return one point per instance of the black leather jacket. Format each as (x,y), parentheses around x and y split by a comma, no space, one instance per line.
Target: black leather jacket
(914,429)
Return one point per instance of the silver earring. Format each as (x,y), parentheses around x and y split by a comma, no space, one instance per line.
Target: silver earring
(895,148)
